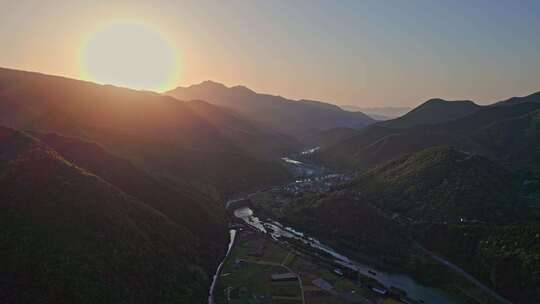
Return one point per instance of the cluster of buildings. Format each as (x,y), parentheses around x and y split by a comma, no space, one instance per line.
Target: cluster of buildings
(320,184)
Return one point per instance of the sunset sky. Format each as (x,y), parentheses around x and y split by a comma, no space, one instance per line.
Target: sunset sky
(367,53)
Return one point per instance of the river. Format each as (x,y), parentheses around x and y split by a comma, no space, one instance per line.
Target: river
(232,237)
(276,230)
(414,289)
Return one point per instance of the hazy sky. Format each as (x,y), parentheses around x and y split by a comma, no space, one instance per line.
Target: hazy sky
(368,53)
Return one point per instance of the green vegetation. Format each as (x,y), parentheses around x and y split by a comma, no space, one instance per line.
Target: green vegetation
(189,208)
(442,184)
(246,278)
(507,256)
(531,179)
(118,205)
(349,224)
(75,238)
(418,197)
(245,283)
(498,132)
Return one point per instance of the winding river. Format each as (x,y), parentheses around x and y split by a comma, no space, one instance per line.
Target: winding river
(277,231)
(232,237)
(414,289)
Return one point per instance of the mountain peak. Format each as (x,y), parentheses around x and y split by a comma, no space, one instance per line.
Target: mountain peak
(210,83)
(449,102)
(241,88)
(297,118)
(433,111)
(434,100)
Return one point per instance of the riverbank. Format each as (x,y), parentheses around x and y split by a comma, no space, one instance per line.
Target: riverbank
(326,255)
(416,264)
(232,238)
(375,269)
(256,257)
(365,234)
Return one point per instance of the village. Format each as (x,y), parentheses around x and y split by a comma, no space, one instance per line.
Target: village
(263,270)
(270,262)
(320,184)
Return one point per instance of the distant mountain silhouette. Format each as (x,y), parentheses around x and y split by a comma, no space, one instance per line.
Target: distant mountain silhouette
(189,144)
(507,133)
(112,195)
(298,118)
(377,145)
(378,113)
(487,116)
(434,111)
(534,97)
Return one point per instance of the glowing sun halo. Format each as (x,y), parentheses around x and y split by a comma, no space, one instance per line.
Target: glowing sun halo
(129,54)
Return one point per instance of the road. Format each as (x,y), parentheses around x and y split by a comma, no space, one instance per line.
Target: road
(441,260)
(466,275)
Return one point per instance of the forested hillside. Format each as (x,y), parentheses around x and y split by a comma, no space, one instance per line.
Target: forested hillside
(442,184)
(506,134)
(191,145)
(69,236)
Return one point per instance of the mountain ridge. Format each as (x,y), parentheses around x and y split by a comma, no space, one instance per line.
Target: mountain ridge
(463,133)
(433,111)
(297,118)
(156,132)
(55,238)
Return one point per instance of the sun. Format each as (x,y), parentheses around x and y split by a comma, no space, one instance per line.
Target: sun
(130,54)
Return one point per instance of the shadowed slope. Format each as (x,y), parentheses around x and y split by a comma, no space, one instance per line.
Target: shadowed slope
(434,111)
(75,238)
(159,133)
(474,133)
(534,97)
(255,139)
(199,214)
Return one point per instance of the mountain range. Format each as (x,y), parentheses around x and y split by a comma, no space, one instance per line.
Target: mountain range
(190,144)
(507,133)
(434,111)
(297,118)
(114,195)
(378,113)
(460,179)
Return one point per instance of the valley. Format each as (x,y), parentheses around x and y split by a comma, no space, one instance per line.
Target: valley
(421,209)
(261,247)
(269,152)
